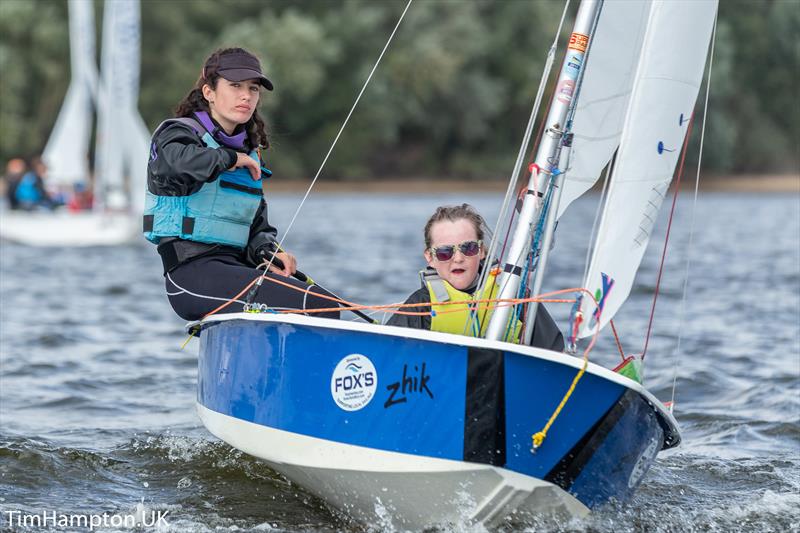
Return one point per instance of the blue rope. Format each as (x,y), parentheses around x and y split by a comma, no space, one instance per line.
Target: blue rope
(532,265)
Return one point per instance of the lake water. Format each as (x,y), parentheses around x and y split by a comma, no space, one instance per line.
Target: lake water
(97,398)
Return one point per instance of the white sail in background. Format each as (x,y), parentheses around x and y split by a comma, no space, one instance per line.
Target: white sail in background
(605,94)
(665,89)
(122,137)
(138,139)
(67,151)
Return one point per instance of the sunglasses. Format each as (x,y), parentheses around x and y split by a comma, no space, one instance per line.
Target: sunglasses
(447,251)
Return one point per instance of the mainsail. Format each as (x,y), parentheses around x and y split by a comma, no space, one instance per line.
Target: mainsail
(67,151)
(667,80)
(122,137)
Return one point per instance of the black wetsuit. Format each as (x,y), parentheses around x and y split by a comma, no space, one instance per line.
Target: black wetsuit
(545,331)
(199,276)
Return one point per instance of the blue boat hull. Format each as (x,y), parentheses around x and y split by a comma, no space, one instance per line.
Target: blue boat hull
(435,396)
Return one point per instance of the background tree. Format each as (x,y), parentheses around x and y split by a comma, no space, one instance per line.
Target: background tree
(450,99)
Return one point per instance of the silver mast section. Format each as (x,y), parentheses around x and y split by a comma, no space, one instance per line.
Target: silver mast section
(546,161)
(557,187)
(547,239)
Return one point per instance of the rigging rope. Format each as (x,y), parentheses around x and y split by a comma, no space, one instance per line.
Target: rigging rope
(336,139)
(510,191)
(538,438)
(681,309)
(346,305)
(666,238)
(616,339)
(534,255)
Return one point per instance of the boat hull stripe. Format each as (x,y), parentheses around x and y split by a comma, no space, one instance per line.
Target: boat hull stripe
(484,416)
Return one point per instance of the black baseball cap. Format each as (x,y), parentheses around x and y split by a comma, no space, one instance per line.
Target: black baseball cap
(240,66)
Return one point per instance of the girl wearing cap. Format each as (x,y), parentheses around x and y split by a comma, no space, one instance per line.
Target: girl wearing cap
(205,208)
(455,253)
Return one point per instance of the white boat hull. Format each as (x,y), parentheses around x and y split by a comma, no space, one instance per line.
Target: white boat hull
(68,229)
(375,485)
(424,428)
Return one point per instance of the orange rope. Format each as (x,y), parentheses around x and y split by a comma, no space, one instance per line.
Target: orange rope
(502,303)
(229,302)
(350,306)
(307,291)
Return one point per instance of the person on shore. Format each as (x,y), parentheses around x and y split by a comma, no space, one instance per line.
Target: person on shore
(204,205)
(455,253)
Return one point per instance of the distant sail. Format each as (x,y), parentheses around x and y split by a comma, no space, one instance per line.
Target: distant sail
(605,94)
(67,151)
(665,89)
(122,137)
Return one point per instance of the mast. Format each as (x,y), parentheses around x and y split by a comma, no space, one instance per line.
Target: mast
(547,238)
(547,163)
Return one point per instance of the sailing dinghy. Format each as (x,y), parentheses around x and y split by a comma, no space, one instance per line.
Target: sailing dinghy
(430,427)
(122,138)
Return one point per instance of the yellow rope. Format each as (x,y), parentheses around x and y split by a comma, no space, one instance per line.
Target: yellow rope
(538,438)
(191,334)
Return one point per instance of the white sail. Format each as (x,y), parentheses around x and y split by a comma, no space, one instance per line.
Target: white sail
(605,94)
(138,141)
(122,137)
(67,151)
(665,89)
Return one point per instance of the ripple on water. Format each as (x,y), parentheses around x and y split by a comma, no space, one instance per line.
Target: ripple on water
(97,407)
(208,484)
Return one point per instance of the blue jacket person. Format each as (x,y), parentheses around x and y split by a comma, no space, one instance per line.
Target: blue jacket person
(205,208)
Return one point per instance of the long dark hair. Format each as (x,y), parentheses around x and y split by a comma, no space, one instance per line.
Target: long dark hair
(194,101)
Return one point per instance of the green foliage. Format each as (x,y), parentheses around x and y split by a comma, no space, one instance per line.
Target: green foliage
(34,72)
(451,96)
(754,108)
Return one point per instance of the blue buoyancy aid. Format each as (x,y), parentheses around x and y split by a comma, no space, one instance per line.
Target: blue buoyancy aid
(27,191)
(221,212)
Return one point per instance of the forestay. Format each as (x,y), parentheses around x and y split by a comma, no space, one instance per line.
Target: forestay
(664,92)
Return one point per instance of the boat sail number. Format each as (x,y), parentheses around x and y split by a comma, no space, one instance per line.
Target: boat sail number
(354,382)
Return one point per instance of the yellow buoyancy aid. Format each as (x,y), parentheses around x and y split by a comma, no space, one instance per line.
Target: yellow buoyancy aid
(457,317)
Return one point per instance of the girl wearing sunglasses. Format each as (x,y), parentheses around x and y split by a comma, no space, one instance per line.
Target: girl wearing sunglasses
(205,207)
(455,253)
